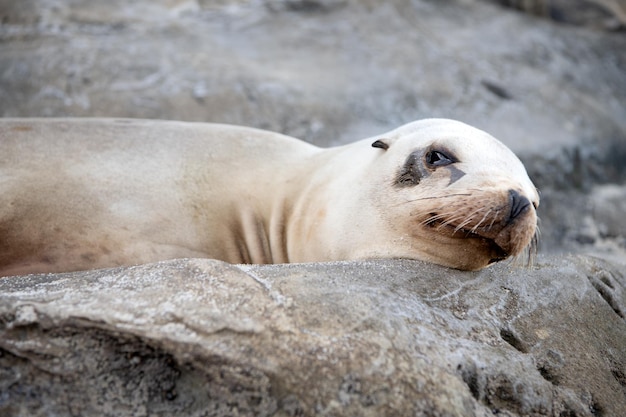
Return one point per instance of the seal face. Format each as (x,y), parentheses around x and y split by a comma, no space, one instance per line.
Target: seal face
(468,198)
(80,194)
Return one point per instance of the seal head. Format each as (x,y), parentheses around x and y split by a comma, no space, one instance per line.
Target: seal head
(461,198)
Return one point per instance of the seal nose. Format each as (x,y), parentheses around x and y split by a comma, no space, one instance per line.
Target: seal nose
(518,204)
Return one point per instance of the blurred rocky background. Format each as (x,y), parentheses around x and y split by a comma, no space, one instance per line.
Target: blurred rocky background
(548,78)
(379,338)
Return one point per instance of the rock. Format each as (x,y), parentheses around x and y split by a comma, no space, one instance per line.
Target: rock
(327,71)
(598,14)
(201,337)
(609,208)
(585,223)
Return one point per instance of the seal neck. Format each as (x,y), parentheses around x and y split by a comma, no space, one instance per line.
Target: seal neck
(327,195)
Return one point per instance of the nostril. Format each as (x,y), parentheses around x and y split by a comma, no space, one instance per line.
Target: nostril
(518,204)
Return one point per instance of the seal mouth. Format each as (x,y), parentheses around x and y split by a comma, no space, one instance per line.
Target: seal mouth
(497,252)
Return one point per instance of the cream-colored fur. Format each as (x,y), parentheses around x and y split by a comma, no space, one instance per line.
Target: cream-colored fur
(80,194)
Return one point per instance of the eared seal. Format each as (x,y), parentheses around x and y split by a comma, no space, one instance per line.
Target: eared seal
(79,194)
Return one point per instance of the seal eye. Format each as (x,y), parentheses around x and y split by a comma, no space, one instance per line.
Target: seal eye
(438,159)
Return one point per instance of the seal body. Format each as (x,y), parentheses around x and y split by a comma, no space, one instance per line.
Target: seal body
(79,194)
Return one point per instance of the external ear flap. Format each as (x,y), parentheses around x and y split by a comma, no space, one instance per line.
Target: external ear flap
(380,144)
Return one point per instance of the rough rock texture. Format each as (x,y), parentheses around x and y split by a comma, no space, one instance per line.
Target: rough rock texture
(392,338)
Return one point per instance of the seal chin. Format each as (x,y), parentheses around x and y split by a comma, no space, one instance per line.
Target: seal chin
(493,251)
(497,252)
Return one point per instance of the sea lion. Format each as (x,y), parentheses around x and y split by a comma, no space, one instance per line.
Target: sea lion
(78,194)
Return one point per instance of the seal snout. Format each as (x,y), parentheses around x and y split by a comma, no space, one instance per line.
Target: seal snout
(495,223)
(518,204)
(518,227)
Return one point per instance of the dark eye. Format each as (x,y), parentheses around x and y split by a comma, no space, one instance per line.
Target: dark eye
(438,159)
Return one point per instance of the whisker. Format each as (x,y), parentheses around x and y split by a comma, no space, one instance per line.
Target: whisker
(462,224)
(468,219)
(493,219)
(434,198)
(433,218)
(453,219)
(473,230)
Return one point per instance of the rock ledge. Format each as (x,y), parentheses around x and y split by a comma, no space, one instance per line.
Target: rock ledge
(204,338)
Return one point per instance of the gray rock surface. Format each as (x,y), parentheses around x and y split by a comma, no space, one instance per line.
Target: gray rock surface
(326,71)
(392,338)
(597,14)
